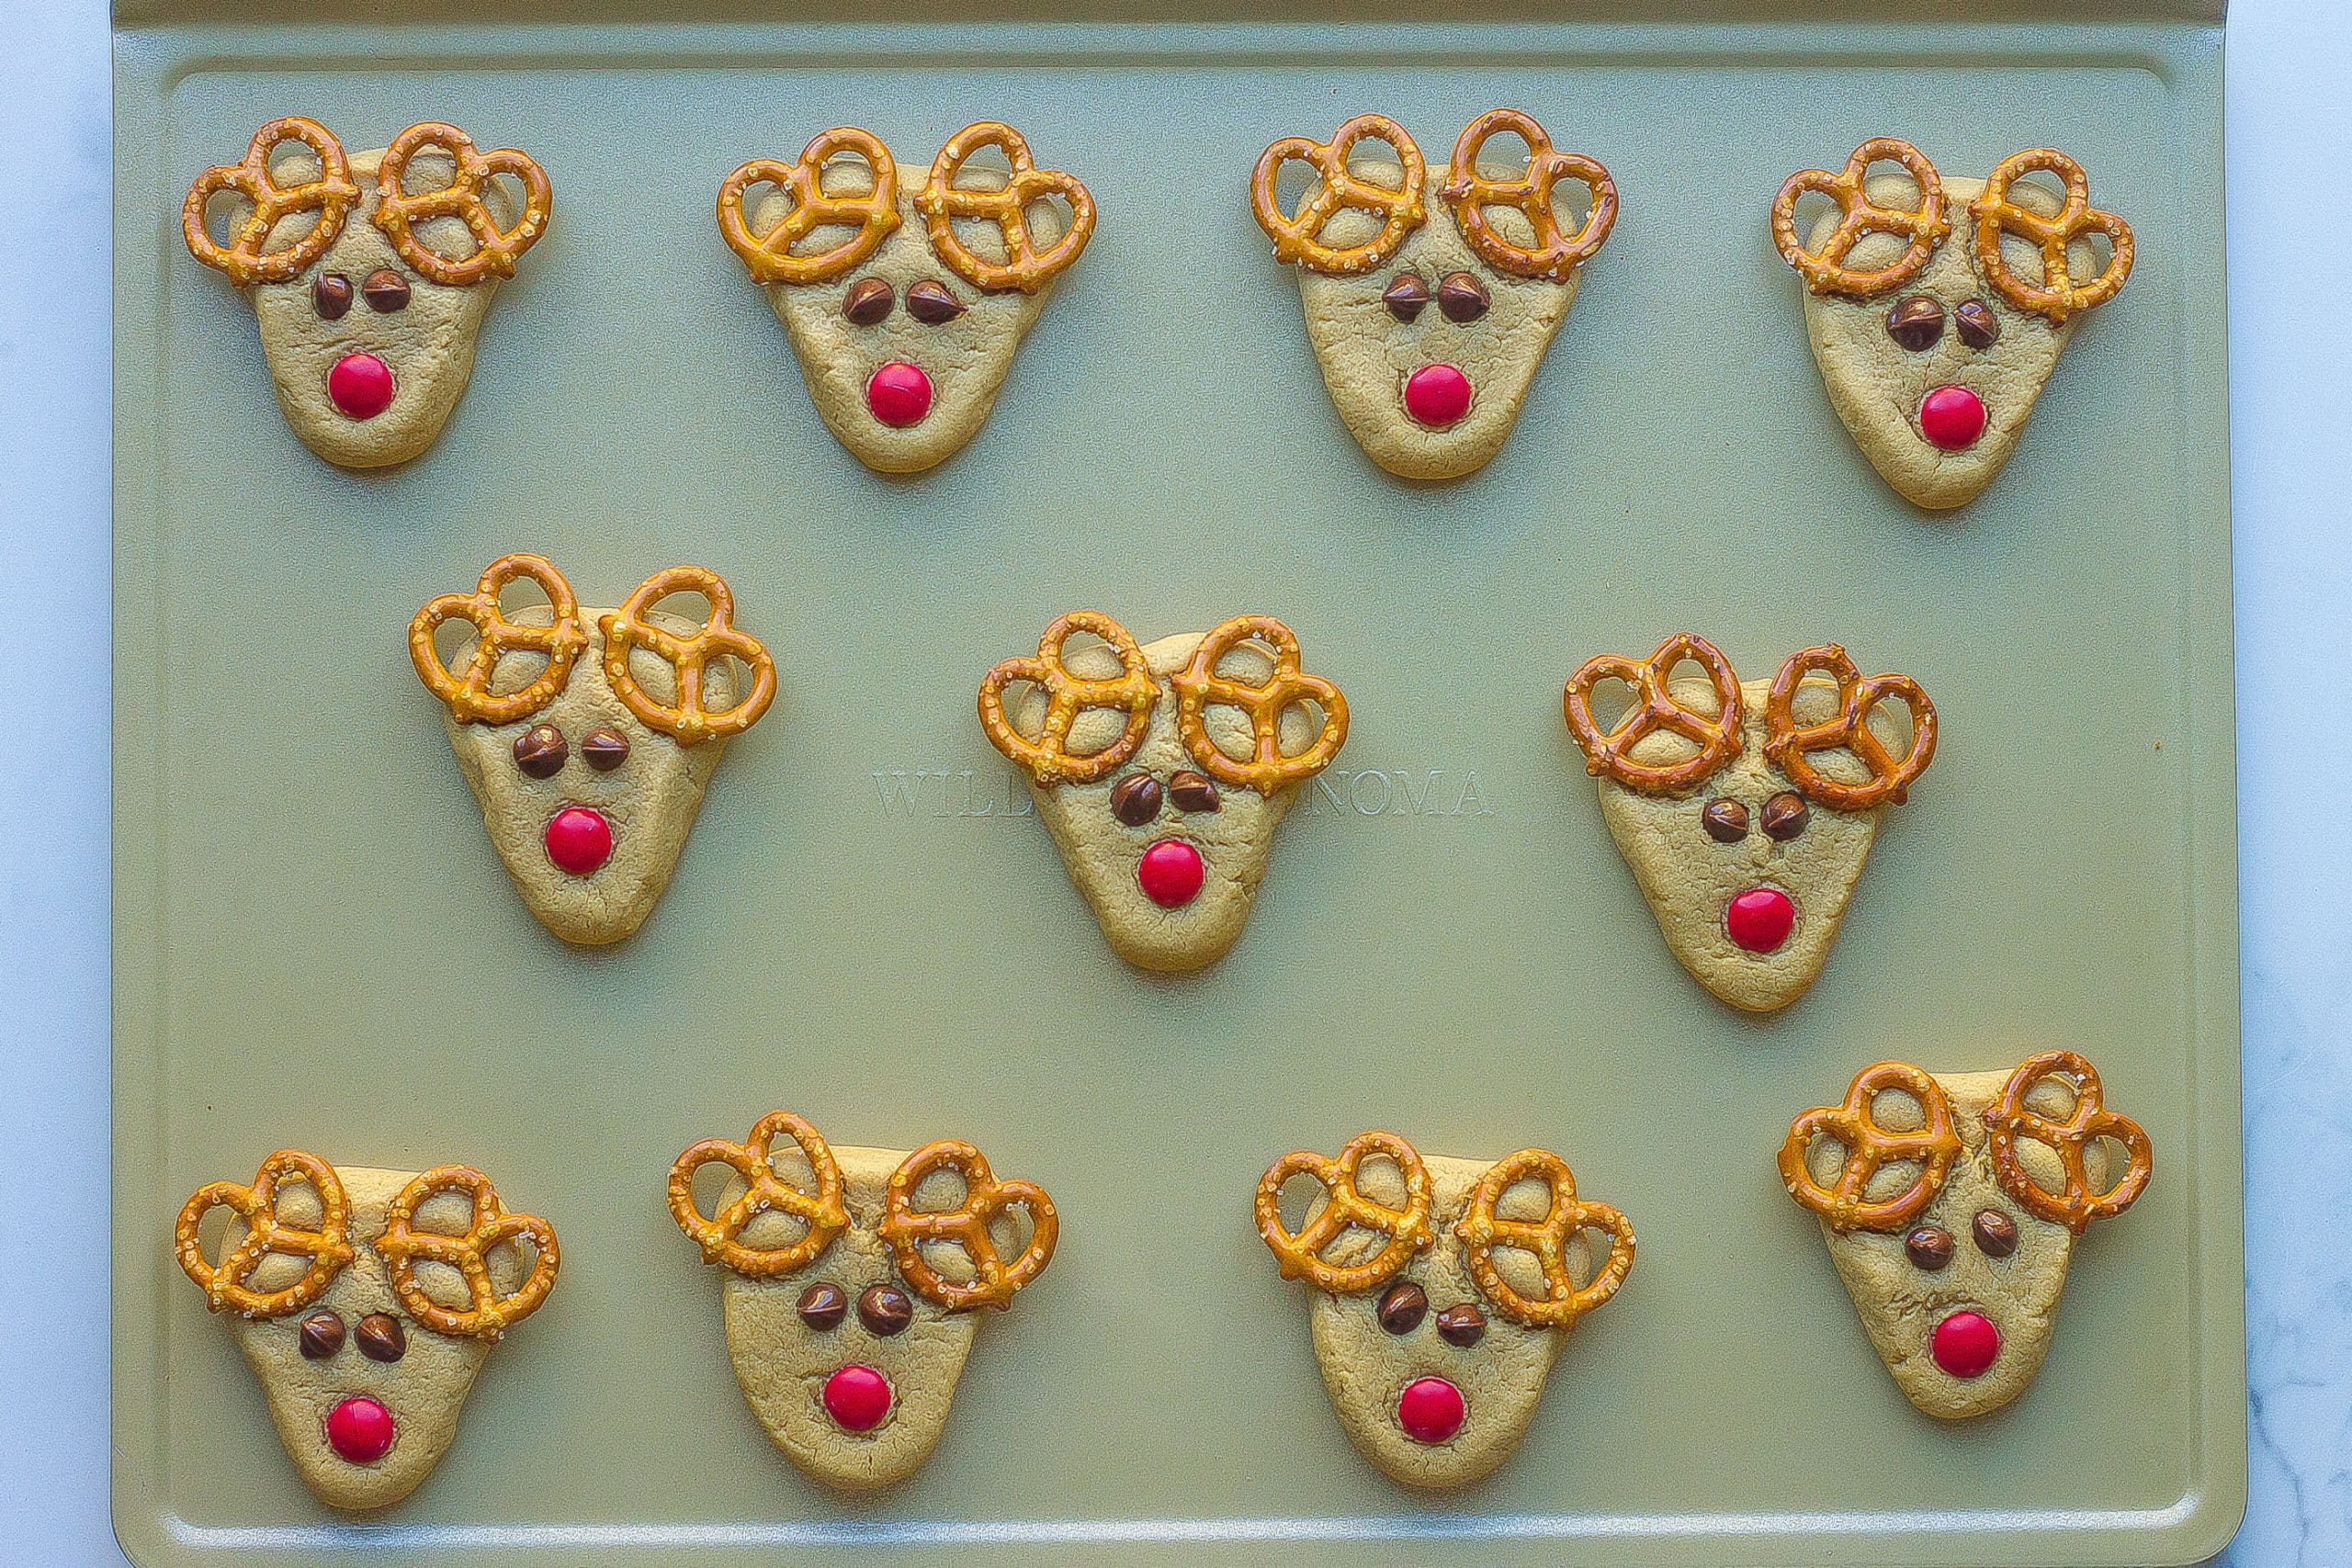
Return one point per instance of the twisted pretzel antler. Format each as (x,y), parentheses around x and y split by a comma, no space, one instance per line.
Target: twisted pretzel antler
(331,196)
(1199,687)
(2058,296)
(2075,1206)
(769,257)
(1556,254)
(1294,235)
(402,1247)
(907,1230)
(1787,742)
(1300,1257)
(496,250)
(1049,760)
(1025,268)
(328,1247)
(1854,1125)
(1610,751)
(468,692)
(764,1192)
(686,720)
(1547,1240)
(1922,228)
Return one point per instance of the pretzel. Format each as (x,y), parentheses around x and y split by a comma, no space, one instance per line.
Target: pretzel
(1869,1147)
(1547,1240)
(496,250)
(1554,256)
(1610,751)
(1200,687)
(1923,228)
(764,1192)
(685,720)
(769,257)
(403,1245)
(2058,296)
(1398,208)
(1049,760)
(907,1230)
(1787,742)
(468,695)
(328,1247)
(2008,1121)
(1025,268)
(1300,1257)
(331,196)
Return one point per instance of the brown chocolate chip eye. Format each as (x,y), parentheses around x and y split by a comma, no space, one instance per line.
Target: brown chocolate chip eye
(1192,790)
(540,750)
(1462,1326)
(1725,820)
(385,290)
(1997,1234)
(1406,296)
(885,1310)
(1402,1307)
(1928,1248)
(1916,322)
(867,302)
(1461,297)
(1134,799)
(603,749)
(930,303)
(330,296)
(1785,816)
(1976,324)
(322,1336)
(823,1305)
(382,1337)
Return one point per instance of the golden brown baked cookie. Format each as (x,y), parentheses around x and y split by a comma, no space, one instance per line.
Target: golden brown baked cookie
(369,274)
(855,1280)
(589,735)
(1745,811)
(1952,1204)
(1937,308)
(364,1301)
(1441,1293)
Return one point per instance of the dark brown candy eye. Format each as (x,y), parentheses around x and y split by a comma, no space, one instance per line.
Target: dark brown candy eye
(885,1310)
(540,750)
(1785,816)
(382,1337)
(1461,297)
(603,749)
(1462,1326)
(322,1336)
(1916,322)
(330,295)
(1976,324)
(1725,820)
(1928,1248)
(1997,1234)
(823,1305)
(930,303)
(385,290)
(867,302)
(1134,799)
(1402,1307)
(1406,296)
(1192,790)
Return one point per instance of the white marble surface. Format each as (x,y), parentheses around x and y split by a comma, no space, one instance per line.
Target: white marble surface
(2290,355)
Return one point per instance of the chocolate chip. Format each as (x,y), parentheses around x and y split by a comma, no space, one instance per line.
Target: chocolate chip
(384,289)
(382,1337)
(1916,322)
(330,295)
(885,1310)
(930,303)
(540,750)
(1785,816)
(1192,790)
(1134,799)
(1406,296)
(823,1305)
(1976,324)
(1402,1307)
(1725,820)
(1462,1326)
(322,1336)
(603,749)
(1997,1234)
(1462,296)
(1928,1248)
(867,302)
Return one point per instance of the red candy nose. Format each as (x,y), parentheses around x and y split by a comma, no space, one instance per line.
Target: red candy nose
(578,839)
(1951,418)
(1429,1410)
(1169,873)
(361,1430)
(360,386)
(1761,918)
(1437,396)
(899,394)
(858,1398)
(1965,1345)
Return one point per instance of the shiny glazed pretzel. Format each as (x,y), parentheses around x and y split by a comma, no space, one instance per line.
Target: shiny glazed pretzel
(328,1247)
(402,1247)
(468,692)
(1025,267)
(1554,256)
(398,210)
(1407,1230)
(1787,743)
(769,257)
(720,1236)
(2058,296)
(2073,1206)
(1609,751)
(245,258)
(1869,1147)
(1049,760)
(1922,228)
(1295,235)
(1199,687)
(685,720)
(1547,1240)
(907,1230)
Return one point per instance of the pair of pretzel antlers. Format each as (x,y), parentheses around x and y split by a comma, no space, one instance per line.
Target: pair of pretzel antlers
(249,258)
(1609,748)
(1554,256)
(227,1285)
(905,1229)
(1406,1231)
(1923,228)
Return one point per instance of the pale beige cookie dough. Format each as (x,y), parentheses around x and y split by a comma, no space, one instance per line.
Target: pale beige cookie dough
(1955,1247)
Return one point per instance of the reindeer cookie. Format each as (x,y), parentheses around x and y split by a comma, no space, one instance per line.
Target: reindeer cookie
(1429,320)
(854,1280)
(1933,349)
(905,308)
(364,1301)
(1162,772)
(1952,1204)
(589,735)
(368,327)
(1442,1291)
